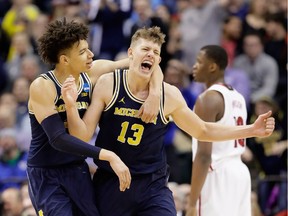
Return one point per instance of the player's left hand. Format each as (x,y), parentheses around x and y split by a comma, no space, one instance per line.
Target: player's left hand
(69,91)
(264,125)
(150,108)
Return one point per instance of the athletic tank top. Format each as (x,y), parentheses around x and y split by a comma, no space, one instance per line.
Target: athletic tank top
(235,113)
(139,145)
(41,153)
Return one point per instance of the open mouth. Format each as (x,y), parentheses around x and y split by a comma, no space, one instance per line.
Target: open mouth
(146,65)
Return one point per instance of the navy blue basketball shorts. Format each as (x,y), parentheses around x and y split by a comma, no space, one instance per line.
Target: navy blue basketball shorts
(62,191)
(148,195)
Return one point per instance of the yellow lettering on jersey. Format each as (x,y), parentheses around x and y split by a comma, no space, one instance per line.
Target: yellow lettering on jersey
(129,112)
(126,112)
(84,94)
(40,213)
(61,108)
(80,105)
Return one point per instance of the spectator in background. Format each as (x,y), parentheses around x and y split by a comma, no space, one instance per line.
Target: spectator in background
(276,46)
(20,47)
(7,117)
(31,67)
(18,17)
(177,142)
(261,68)
(147,17)
(231,33)
(20,89)
(36,32)
(238,8)
(254,21)
(3,76)
(271,157)
(12,202)
(8,99)
(200,24)
(12,160)
(110,17)
(28,209)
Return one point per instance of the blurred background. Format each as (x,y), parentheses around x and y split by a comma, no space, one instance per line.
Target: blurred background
(253,32)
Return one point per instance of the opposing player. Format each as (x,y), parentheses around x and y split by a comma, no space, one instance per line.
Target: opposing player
(59,179)
(139,144)
(221,183)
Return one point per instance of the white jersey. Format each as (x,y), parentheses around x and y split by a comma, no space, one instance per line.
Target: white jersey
(235,113)
(227,188)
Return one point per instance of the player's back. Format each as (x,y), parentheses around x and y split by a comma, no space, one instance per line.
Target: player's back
(235,113)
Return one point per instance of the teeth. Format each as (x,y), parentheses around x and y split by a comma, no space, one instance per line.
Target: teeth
(147,62)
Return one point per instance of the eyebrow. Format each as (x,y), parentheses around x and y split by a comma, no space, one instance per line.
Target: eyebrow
(81,50)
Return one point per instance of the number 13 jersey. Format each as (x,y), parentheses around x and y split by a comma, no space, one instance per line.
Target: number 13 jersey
(139,145)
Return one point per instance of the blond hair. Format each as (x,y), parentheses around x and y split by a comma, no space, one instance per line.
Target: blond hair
(153,34)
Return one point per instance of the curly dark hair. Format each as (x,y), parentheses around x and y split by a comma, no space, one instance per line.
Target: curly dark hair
(60,36)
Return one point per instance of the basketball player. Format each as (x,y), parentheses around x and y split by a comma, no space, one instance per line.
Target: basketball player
(59,180)
(221,184)
(139,144)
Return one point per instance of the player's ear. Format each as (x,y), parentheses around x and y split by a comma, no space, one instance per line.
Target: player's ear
(63,59)
(159,60)
(129,52)
(213,66)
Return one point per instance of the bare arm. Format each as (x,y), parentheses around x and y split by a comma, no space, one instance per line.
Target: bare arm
(85,128)
(150,109)
(102,66)
(209,107)
(188,121)
(41,101)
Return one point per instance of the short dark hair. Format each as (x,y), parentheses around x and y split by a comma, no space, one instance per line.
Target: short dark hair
(217,54)
(277,18)
(60,36)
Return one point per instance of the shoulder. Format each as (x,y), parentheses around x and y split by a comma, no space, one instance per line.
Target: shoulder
(171,91)
(104,87)
(173,99)
(105,79)
(209,100)
(41,86)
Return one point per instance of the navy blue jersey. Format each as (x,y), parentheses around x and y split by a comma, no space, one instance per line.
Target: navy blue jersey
(138,144)
(41,153)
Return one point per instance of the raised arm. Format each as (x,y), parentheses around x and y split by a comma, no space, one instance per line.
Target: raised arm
(41,103)
(84,128)
(102,66)
(150,109)
(188,121)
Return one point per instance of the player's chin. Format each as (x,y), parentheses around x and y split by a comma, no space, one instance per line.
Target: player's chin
(88,66)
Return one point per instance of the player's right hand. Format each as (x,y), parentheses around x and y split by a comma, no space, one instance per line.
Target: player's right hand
(122,171)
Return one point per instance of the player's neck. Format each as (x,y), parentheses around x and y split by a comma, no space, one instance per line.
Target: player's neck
(215,81)
(62,74)
(138,85)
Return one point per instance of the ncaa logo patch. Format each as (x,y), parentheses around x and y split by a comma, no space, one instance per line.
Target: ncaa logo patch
(86,87)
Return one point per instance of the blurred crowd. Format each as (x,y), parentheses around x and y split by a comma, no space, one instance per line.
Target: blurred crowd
(253,32)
